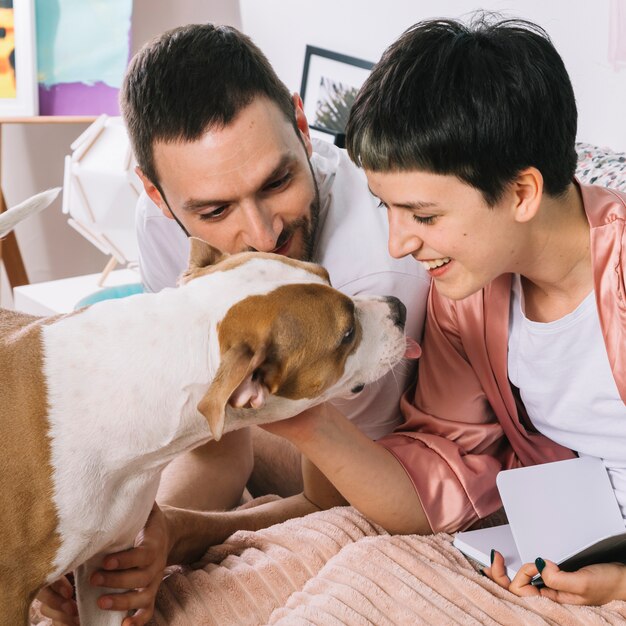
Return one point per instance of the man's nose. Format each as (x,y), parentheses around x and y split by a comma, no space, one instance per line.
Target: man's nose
(402,238)
(262,229)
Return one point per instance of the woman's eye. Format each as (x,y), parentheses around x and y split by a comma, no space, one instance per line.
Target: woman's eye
(424,220)
(348,336)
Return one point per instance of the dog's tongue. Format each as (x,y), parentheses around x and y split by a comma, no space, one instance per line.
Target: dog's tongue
(413,350)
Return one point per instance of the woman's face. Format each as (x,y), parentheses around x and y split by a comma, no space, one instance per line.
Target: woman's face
(446,225)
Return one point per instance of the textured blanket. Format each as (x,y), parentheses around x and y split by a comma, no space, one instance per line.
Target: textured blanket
(336,568)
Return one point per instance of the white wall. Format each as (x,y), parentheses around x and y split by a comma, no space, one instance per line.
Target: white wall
(32,157)
(579,30)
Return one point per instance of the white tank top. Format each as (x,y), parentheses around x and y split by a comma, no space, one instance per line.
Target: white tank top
(562,371)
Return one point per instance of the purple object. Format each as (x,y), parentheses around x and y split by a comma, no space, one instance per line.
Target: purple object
(78,99)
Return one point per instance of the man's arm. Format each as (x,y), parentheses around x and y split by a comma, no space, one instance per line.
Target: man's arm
(210,477)
(191,533)
(364,475)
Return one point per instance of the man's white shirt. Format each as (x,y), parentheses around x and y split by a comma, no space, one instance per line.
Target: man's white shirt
(351,243)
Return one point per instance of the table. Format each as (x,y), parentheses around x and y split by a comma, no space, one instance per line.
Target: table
(61,296)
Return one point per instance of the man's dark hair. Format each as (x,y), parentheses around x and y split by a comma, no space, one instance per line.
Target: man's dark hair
(191,79)
(479,101)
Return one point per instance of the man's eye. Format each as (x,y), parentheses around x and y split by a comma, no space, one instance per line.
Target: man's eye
(348,336)
(277,184)
(219,212)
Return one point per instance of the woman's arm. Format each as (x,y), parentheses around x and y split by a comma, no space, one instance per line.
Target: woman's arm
(363,472)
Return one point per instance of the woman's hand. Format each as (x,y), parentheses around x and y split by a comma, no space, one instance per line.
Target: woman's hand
(593,585)
(139,569)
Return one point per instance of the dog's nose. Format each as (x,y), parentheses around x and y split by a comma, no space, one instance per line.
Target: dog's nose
(398,311)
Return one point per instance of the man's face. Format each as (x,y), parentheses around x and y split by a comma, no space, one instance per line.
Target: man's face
(246,186)
(446,224)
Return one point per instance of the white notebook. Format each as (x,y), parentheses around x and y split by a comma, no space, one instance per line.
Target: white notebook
(564,511)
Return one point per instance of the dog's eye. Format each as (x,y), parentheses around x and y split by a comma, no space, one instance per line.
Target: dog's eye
(348,336)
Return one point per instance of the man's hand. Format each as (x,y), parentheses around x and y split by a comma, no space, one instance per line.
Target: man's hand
(139,569)
(593,585)
(58,604)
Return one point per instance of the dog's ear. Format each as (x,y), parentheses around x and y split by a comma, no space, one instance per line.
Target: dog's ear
(201,256)
(235,383)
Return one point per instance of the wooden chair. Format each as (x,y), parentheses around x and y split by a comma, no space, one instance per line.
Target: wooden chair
(10,255)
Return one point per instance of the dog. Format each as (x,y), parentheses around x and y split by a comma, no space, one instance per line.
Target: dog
(95,403)
(11,218)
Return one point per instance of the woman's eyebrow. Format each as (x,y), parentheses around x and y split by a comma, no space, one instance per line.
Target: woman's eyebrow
(416,205)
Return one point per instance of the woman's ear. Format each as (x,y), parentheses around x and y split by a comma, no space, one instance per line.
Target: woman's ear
(303,125)
(527,194)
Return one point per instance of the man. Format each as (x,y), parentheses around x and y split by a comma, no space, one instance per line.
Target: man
(224,154)
(233,164)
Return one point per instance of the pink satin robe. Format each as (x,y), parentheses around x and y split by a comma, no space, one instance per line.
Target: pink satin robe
(469,424)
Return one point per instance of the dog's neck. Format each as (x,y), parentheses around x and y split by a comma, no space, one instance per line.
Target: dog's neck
(165,389)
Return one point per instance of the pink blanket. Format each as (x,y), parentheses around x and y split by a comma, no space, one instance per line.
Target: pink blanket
(335,567)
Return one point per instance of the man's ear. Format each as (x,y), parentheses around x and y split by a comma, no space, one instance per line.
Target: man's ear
(527,194)
(234,384)
(303,125)
(153,193)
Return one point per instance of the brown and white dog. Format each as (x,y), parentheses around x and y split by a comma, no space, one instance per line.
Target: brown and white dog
(94,404)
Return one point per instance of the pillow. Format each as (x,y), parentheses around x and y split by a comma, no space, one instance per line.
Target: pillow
(108,293)
(601,166)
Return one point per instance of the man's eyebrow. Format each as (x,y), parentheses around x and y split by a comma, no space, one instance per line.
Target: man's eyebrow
(194,204)
(413,206)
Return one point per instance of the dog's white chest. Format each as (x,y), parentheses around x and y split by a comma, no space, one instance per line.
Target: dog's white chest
(116,418)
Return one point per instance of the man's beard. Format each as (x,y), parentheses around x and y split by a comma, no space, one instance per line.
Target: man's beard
(306,225)
(310,224)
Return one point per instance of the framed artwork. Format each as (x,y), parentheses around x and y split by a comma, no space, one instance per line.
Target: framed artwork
(330,82)
(18,73)
(83,48)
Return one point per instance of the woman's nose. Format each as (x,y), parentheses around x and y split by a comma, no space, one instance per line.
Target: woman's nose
(402,237)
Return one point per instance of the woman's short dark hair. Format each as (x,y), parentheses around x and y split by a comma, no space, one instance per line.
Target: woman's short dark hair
(479,101)
(191,79)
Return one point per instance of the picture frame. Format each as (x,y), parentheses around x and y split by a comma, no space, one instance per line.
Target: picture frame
(18,67)
(330,82)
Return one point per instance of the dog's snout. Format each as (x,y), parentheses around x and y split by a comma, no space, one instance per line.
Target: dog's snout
(398,311)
